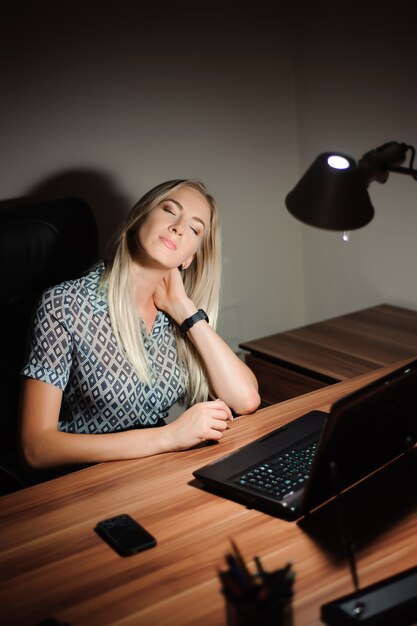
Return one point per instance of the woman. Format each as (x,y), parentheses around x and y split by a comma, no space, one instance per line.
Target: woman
(112,351)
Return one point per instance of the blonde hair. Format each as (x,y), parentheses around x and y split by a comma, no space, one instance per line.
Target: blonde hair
(201,282)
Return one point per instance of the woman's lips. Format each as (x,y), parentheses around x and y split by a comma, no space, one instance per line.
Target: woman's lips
(168,243)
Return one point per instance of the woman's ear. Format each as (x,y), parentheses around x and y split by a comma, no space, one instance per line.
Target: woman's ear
(187,262)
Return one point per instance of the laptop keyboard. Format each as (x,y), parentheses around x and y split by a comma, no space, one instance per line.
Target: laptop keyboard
(280,476)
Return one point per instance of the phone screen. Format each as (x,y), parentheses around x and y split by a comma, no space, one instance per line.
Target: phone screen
(125,535)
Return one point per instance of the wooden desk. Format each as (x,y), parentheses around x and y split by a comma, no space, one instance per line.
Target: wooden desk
(304,359)
(52,563)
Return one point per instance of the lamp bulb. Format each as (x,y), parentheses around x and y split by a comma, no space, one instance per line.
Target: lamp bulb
(338,162)
(346,235)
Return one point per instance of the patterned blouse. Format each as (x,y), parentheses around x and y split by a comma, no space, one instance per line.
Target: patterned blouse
(73,347)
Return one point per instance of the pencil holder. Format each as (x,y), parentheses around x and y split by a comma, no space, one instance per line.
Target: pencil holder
(260,599)
(252,612)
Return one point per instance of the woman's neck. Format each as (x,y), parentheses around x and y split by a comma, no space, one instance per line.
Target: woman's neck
(144,282)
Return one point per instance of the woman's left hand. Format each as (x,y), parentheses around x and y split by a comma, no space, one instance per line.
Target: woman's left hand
(170,297)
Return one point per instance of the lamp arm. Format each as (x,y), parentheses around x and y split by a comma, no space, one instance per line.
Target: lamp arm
(377,163)
(403,170)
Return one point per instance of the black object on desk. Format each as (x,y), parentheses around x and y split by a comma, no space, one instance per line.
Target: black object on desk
(387,602)
(274,474)
(391,601)
(263,599)
(125,535)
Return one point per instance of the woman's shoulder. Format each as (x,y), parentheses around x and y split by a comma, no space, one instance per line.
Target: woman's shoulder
(87,287)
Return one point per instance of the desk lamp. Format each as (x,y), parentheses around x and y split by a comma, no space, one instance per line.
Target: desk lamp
(333,192)
(333,195)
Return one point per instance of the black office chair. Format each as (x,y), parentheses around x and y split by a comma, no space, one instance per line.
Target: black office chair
(41,244)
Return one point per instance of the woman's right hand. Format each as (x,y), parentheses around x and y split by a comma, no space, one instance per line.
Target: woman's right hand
(203,421)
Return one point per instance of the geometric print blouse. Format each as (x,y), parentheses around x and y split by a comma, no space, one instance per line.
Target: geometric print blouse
(73,347)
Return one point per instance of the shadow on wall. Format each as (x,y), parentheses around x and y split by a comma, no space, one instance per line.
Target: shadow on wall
(99,190)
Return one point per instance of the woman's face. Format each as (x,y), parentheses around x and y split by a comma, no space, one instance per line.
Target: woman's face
(173,231)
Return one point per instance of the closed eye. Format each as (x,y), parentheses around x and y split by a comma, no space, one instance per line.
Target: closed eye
(168,210)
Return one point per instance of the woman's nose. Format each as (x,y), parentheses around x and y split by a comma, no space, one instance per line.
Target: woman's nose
(177,228)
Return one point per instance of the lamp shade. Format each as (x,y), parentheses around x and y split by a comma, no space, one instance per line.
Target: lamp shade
(332,194)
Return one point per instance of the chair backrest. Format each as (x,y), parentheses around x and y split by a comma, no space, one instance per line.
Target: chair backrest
(41,244)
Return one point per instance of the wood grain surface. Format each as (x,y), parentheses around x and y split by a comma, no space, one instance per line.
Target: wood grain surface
(345,346)
(53,564)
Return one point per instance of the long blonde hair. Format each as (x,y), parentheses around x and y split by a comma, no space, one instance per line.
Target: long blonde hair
(201,282)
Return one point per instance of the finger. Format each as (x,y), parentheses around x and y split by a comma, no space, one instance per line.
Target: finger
(214,434)
(219,424)
(223,415)
(220,414)
(225,407)
(216,429)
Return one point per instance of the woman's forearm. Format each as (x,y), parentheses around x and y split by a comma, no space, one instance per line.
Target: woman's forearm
(231,379)
(43,445)
(52,448)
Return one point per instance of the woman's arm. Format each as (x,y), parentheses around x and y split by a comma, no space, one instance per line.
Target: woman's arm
(44,446)
(230,378)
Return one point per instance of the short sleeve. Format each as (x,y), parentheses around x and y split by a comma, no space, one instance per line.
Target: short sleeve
(50,349)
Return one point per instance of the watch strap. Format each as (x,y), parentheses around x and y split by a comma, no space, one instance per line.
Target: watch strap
(190,321)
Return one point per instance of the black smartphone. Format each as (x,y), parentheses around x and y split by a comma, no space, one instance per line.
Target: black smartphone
(125,535)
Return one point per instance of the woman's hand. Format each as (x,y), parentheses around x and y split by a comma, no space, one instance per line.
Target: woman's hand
(170,297)
(203,421)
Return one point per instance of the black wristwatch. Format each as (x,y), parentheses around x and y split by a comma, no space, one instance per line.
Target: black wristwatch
(190,321)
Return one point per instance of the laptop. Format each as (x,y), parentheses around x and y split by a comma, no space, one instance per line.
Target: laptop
(298,467)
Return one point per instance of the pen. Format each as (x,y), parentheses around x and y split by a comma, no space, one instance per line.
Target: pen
(230,587)
(241,564)
(236,571)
